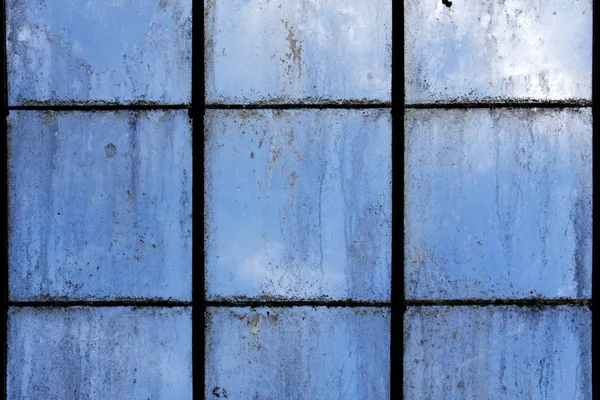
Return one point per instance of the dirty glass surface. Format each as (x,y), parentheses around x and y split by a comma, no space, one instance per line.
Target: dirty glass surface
(100,205)
(498,203)
(298,204)
(498,200)
(298,353)
(99,51)
(297,201)
(317,51)
(497,352)
(479,50)
(99,353)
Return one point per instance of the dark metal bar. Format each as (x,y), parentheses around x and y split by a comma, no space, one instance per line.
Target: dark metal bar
(595,272)
(508,104)
(343,105)
(101,107)
(300,303)
(198,277)
(4,183)
(295,303)
(500,302)
(102,303)
(398,303)
(117,107)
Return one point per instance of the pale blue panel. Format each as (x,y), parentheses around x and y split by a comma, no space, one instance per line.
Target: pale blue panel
(480,50)
(298,204)
(99,353)
(298,353)
(99,51)
(498,203)
(100,205)
(535,353)
(277,51)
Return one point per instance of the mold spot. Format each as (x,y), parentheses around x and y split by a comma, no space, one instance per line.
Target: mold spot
(110,150)
(219,392)
(130,197)
(251,154)
(293,179)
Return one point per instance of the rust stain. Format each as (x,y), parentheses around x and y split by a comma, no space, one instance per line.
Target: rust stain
(295,48)
(291,137)
(418,257)
(274,151)
(273,316)
(254,323)
(238,316)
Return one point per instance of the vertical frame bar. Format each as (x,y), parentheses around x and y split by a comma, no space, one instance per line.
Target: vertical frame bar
(595,272)
(397,268)
(197,116)
(4,183)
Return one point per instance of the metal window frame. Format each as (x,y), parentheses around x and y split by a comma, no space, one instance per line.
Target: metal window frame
(199,303)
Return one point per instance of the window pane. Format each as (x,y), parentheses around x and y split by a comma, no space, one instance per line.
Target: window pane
(497,352)
(99,51)
(99,353)
(298,353)
(498,203)
(100,205)
(300,51)
(298,204)
(498,50)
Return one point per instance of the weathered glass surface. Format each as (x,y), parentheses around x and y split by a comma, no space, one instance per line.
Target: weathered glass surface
(479,50)
(298,353)
(274,51)
(99,353)
(498,203)
(497,352)
(99,51)
(298,204)
(100,205)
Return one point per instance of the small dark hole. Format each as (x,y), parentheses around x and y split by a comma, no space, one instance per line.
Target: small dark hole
(447,3)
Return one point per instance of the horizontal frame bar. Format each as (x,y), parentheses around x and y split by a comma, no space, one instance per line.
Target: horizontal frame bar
(215,106)
(500,302)
(582,104)
(100,107)
(214,303)
(101,303)
(296,303)
(302,303)
(531,104)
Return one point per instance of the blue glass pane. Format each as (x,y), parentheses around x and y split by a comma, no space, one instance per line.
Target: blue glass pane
(298,204)
(298,353)
(299,51)
(498,50)
(100,353)
(497,352)
(99,51)
(100,205)
(498,203)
